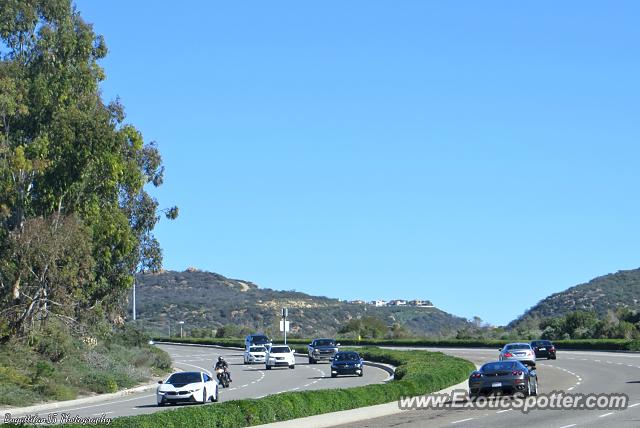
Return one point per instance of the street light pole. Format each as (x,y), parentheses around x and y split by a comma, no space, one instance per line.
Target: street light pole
(134,297)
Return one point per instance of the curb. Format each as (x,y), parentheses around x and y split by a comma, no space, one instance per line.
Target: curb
(93,399)
(350,416)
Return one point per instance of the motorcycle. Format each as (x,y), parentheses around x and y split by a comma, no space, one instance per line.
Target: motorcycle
(223,377)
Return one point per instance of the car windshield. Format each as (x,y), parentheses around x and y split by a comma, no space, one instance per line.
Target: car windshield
(184,378)
(280,349)
(518,346)
(499,366)
(351,356)
(325,342)
(257,349)
(259,339)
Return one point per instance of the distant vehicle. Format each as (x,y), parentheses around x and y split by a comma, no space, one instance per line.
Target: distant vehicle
(519,352)
(505,377)
(255,354)
(280,356)
(322,349)
(189,387)
(544,349)
(347,363)
(256,340)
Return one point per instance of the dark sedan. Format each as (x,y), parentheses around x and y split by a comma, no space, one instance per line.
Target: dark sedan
(544,349)
(347,363)
(504,377)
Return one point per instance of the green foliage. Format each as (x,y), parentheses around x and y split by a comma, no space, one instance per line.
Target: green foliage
(600,297)
(367,328)
(76,220)
(77,366)
(420,372)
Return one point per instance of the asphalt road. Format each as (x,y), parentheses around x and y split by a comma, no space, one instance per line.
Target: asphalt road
(249,381)
(573,372)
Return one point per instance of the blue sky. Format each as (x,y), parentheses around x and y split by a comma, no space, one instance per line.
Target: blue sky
(478,154)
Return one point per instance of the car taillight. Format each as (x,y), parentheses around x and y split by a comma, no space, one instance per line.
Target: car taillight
(508,354)
(476,376)
(516,373)
(553,348)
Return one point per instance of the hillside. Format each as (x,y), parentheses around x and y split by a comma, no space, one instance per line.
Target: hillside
(608,292)
(208,300)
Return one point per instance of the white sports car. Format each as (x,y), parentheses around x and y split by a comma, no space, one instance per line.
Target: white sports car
(190,387)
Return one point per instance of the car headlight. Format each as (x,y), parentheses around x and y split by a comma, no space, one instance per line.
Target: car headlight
(160,392)
(195,390)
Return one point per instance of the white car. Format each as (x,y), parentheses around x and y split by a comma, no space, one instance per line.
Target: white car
(255,354)
(280,356)
(190,387)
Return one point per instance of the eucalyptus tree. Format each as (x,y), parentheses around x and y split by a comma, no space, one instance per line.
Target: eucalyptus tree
(75,219)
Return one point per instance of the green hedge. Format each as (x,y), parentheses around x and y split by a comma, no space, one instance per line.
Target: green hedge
(418,372)
(585,344)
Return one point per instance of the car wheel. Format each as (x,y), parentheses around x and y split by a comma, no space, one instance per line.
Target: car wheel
(534,389)
(528,393)
(161,403)
(268,367)
(311,361)
(361,373)
(292,367)
(204,396)
(333,375)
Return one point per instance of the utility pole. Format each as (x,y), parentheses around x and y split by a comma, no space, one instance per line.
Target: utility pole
(181,324)
(283,323)
(169,329)
(134,298)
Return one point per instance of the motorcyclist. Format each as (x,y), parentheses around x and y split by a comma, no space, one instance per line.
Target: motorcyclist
(222,364)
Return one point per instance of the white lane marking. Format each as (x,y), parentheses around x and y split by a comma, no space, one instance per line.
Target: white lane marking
(597,361)
(109,403)
(571,389)
(568,426)
(606,414)
(502,411)
(629,365)
(102,413)
(577,383)
(461,420)
(198,367)
(634,405)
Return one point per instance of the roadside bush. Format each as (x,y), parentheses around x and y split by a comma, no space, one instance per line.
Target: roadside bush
(100,382)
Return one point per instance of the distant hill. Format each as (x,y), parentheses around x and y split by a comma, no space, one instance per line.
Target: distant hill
(209,300)
(608,292)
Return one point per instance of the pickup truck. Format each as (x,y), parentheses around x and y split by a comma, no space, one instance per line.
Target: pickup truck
(322,349)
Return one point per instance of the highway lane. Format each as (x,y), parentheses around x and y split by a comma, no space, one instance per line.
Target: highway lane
(573,372)
(249,381)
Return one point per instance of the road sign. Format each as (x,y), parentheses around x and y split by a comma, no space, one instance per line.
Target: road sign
(284,325)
